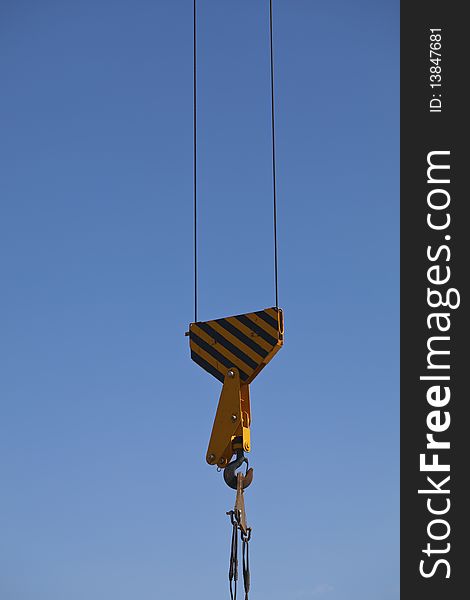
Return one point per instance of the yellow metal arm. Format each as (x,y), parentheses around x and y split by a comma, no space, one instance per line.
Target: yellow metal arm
(231,429)
(234,350)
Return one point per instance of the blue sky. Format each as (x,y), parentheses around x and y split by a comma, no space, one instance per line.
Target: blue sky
(104,420)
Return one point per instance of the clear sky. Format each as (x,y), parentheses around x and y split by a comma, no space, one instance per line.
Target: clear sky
(104,419)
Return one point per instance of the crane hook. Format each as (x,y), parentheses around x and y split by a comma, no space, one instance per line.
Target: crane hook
(230,476)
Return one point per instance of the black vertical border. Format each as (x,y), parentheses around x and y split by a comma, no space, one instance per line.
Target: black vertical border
(423,132)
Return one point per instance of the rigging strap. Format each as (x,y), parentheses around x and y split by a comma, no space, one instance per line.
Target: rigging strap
(246,565)
(233,569)
(238,520)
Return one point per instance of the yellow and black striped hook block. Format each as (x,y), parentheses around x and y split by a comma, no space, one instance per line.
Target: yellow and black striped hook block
(234,350)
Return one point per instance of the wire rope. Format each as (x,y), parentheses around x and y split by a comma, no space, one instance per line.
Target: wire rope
(195,159)
(273,148)
(273,143)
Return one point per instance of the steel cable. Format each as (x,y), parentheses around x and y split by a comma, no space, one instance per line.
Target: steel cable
(273,144)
